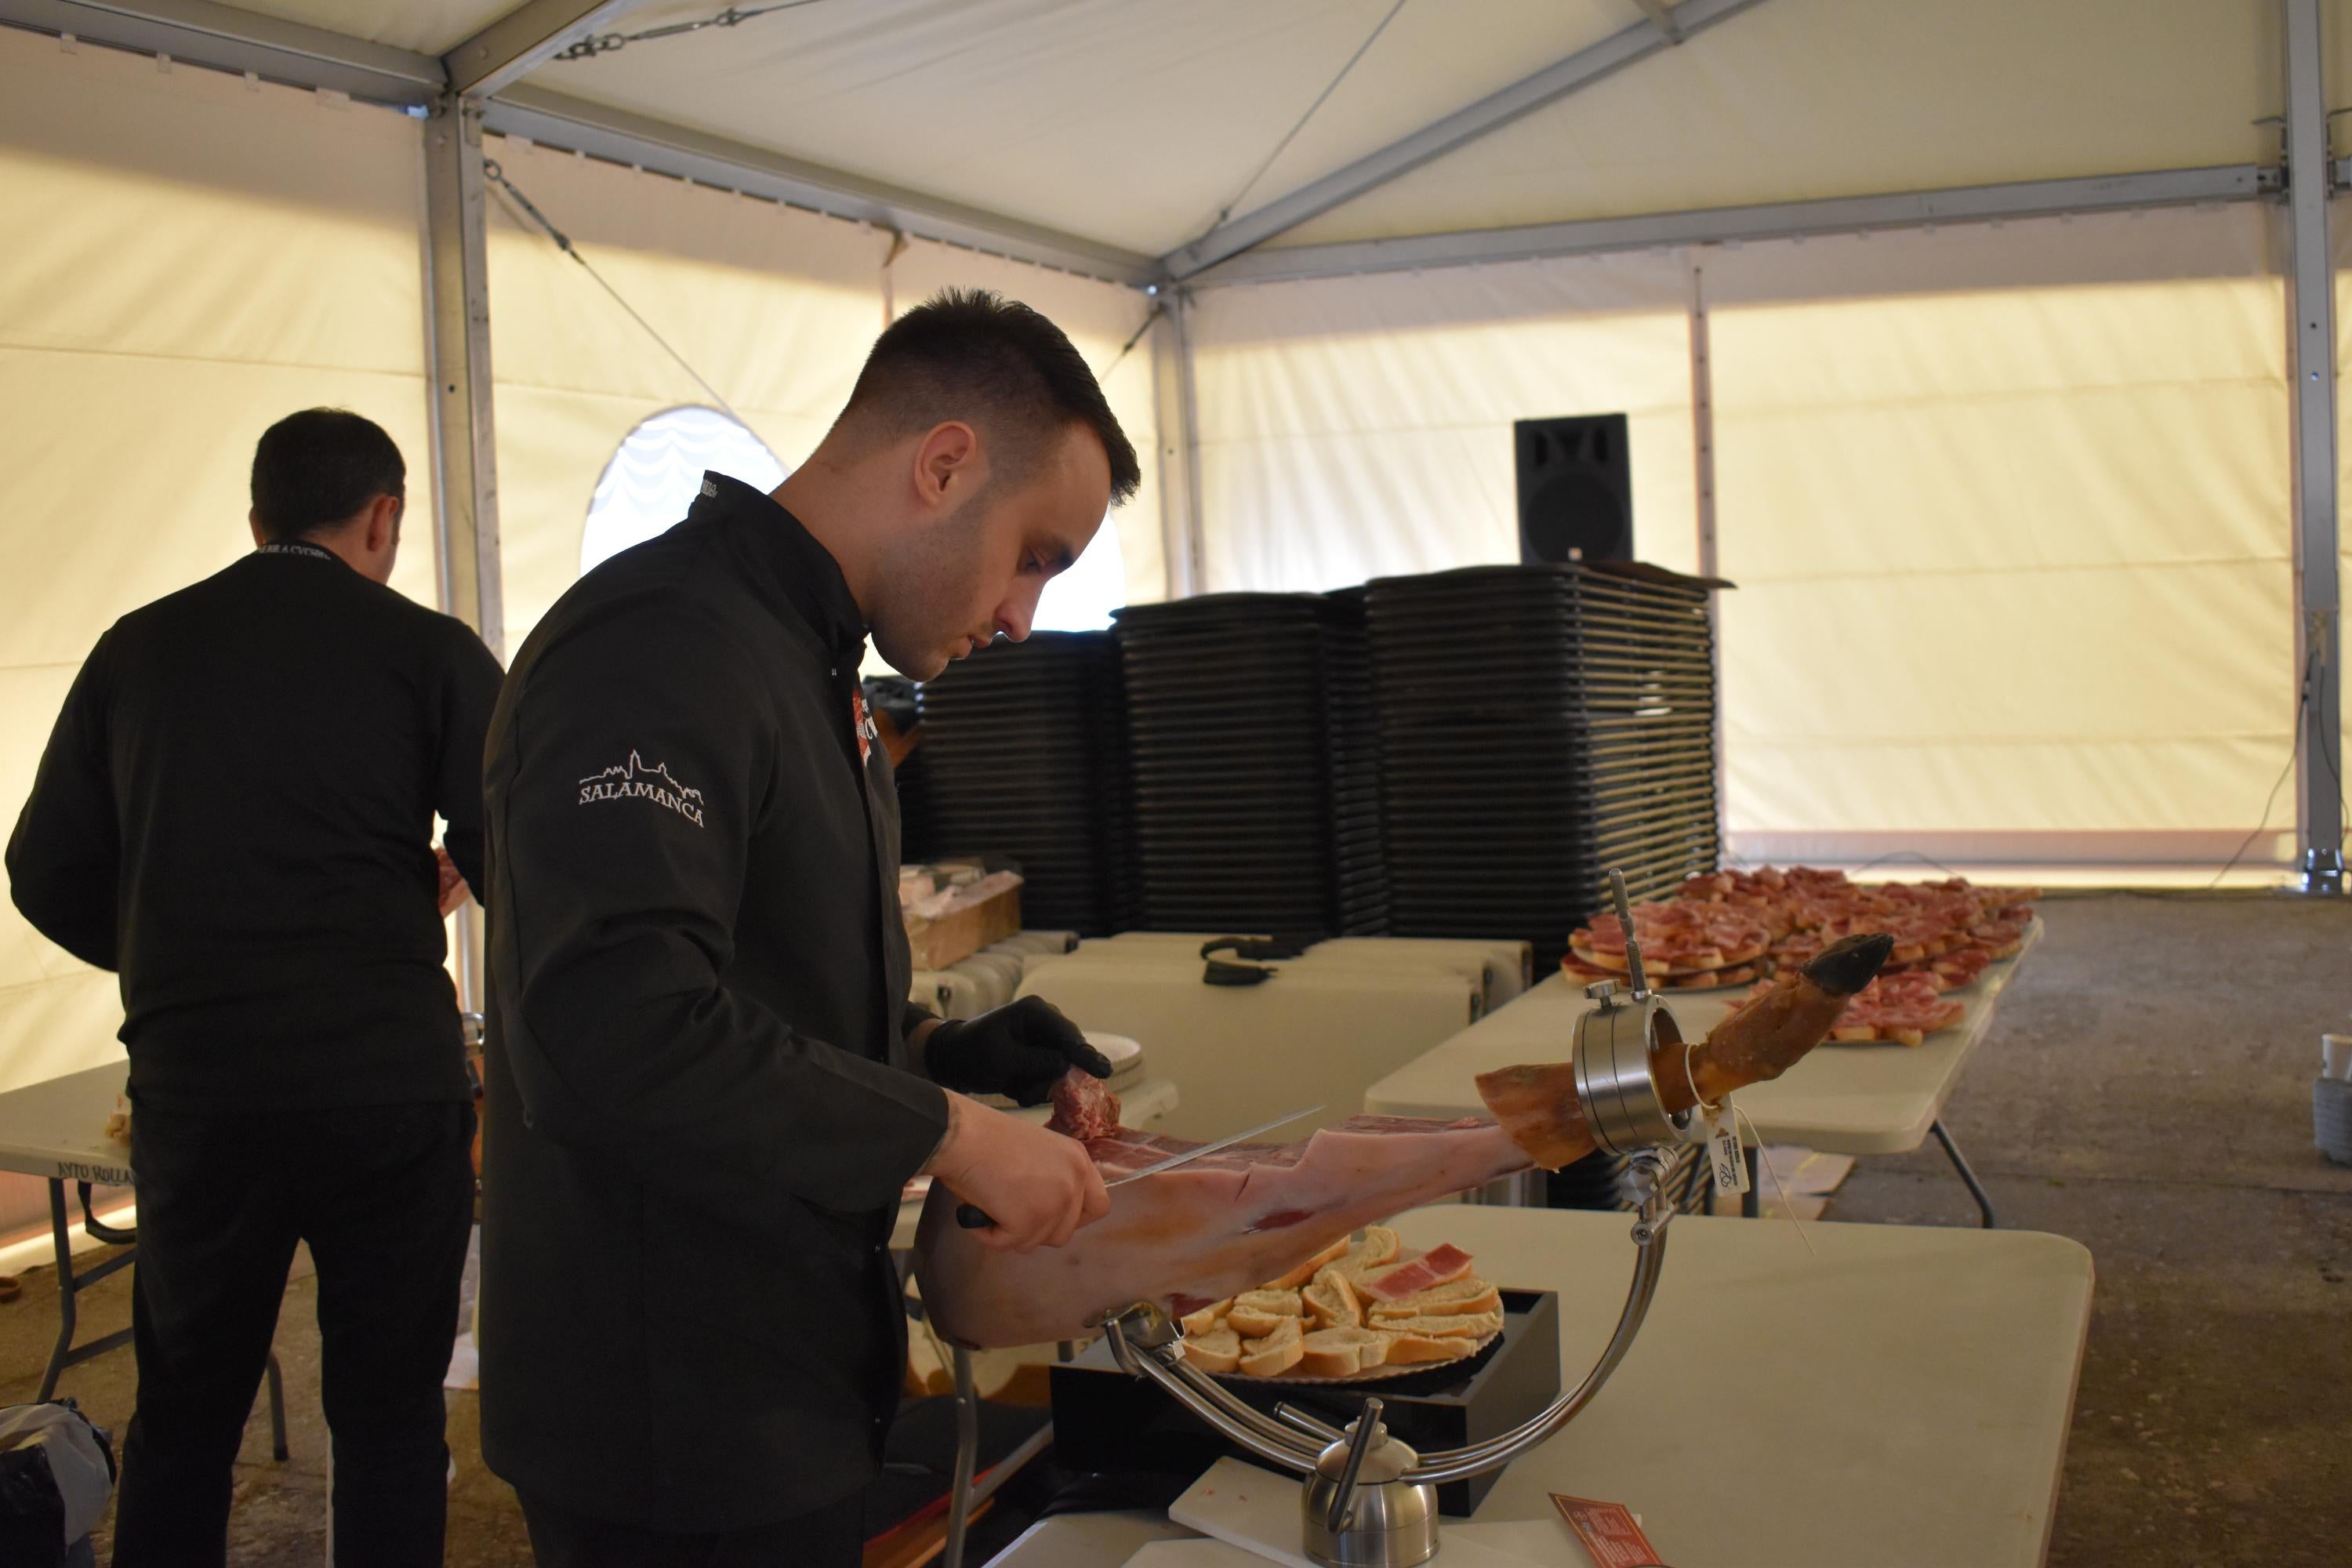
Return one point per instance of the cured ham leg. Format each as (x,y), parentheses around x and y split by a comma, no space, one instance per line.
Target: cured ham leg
(1231,1220)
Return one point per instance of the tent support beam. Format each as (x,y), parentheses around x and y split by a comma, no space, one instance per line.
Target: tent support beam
(1702,373)
(1732,225)
(521,41)
(619,136)
(1555,82)
(1173,411)
(227,39)
(1660,14)
(465,457)
(2312,341)
(457,335)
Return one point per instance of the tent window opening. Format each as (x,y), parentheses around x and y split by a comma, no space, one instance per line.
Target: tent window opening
(657,471)
(1082,598)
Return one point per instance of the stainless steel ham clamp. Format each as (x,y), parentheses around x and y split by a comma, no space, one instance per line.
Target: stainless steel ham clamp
(1371,1500)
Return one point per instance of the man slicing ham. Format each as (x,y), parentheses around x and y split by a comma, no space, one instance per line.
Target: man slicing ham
(706,1090)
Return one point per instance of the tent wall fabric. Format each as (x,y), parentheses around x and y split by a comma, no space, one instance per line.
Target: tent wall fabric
(773,306)
(189,259)
(1361,428)
(1960,475)
(2008,510)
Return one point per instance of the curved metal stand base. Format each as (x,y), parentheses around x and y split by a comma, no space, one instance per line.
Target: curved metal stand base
(1146,1344)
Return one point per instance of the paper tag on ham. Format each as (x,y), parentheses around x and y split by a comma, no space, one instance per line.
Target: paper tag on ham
(1723,1147)
(1609,1532)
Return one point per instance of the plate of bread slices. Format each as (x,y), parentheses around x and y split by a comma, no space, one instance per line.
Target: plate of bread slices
(1365,1308)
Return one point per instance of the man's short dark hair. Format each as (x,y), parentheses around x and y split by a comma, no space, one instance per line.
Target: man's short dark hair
(973,356)
(319,467)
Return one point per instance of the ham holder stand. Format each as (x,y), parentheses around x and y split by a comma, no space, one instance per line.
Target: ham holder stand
(1370,1500)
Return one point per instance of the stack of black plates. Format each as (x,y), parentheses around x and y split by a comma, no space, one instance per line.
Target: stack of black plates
(1224,714)
(1538,726)
(1023,759)
(1358,863)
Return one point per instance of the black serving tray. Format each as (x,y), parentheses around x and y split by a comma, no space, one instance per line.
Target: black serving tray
(1106,1420)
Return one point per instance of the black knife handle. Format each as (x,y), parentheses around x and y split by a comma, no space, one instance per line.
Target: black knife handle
(972,1218)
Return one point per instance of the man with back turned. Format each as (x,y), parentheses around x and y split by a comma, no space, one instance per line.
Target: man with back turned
(236,812)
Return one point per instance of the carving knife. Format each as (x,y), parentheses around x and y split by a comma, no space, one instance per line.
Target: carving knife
(972,1219)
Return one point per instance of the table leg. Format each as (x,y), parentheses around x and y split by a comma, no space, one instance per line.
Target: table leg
(967,1458)
(64,1293)
(1960,1163)
(1751,1202)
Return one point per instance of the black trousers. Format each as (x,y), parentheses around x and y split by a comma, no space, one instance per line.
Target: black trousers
(385,1195)
(831,1537)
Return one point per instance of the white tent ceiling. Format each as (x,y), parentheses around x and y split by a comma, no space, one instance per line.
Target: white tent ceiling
(1132,124)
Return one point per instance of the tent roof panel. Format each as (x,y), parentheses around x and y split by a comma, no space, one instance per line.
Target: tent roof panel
(428,26)
(1120,119)
(1798,100)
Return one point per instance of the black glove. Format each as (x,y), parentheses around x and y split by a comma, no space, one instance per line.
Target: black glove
(1021,1049)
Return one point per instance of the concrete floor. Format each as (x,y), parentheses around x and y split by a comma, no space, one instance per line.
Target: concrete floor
(2146,1090)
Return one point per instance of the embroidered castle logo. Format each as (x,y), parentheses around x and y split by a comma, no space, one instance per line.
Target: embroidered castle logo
(632,780)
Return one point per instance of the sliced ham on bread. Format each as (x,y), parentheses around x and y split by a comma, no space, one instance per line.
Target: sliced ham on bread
(1341,1352)
(1441,1265)
(1470,1295)
(1274,1354)
(1331,1302)
(1257,1313)
(1308,1269)
(1217,1352)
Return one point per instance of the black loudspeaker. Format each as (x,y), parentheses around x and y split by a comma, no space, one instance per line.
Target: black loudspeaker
(1576,488)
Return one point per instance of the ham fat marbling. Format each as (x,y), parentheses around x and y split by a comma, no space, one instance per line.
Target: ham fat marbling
(1227,1221)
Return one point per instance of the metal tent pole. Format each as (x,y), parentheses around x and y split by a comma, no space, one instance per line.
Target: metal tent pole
(1174,408)
(2320,812)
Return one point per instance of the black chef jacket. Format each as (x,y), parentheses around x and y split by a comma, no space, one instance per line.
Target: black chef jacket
(702,1105)
(236,811)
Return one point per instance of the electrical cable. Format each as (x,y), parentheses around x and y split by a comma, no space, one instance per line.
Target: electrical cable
(1157,310)
(491,171)
(2295,752)
(1227,210)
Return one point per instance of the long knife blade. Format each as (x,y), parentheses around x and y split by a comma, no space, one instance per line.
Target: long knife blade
(972,1218)
(1189,1155)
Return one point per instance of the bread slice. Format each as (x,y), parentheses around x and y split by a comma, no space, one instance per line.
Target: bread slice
(1378,1249)
(1256,1314)
(1459,1326)
(1308,1269)
(1217,1352)
(1274,1354)
(1471,1295)
(1331,1302)
(1209,1317)
(1408,1349)
(1341,1352)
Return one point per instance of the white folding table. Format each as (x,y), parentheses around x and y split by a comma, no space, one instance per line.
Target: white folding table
(1899,1395)
(56,1131)
(1843,1099)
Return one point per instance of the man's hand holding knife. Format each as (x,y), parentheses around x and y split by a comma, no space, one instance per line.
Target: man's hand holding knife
(1039,1187)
